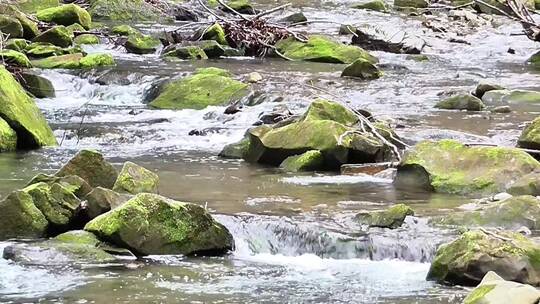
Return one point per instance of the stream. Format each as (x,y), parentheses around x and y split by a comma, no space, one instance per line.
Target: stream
(296,241)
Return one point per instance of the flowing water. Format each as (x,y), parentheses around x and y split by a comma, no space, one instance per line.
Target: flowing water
(296,241)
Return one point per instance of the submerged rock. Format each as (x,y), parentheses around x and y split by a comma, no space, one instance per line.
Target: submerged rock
(511,213)
(92,167)
(22,114)
(322,49)
(374,5)
(57,35)
(495,290)
(102,200)
(391,218)
(448,166)
(142,44)
(207,87)
(461,102)
(308,161)
(468,259)
(362,69)
(67,14)
(152,224)
(36,85)
(504,97)
(20,218)
(135,179)
(75,61)
(530,137)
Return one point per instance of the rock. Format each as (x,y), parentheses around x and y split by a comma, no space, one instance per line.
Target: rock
(15,58)
(214,32)
(411,3)
(294,18)
(18,45)
(207,87)
(319,128)
(505,97)
(86,39)
(29,27)
(418,57)
(71,247)
(241,6)
(362,69)
(125,10)
(370,169)
(22,114)
(75,27)
(75,61)
(11,26)
(237,150)
(67,14)
(501,5)
(21,218)
(32,6)
(124,30)
(530,137)
(43,50)
(391,218)
(495,290)
(254,77)
(92,167)
(278,114)
(308,161)
(152,224)
(38,86)
(461,102)
(135,179)
(502,110)
(56,203)
(142,44)
(468,259)
(346,29)
(528,184)
(188,52)
(8,137)
(376,40)
(534,60)
(374,5)
(182,13)
(482,88)
(448,166)
(233,52)
(211,48)
(73,183)
(102,200)
(511,213)
(322,49)
(57,35)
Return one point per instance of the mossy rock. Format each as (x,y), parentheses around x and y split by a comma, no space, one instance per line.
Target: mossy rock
(448,166)
(67,14)
(142,44)
(309,161)
(505,97)
(483,88)
(15,58)
(18,45)
(528,184)
(33,6)
(495,290)
(58,35)
(534,60)
(125,10)
(512,213)
(75,27)
(36,85)
(135,179)
(392,217)
(22,114)
(11,26)
(241,6)
(346,29)
(207,87)
(44,50)
(102,200)
(322,49)
(86,39)
(216,33)
(21,218)
(411,3)
(294,18)
(500,5)
(466,260)
(124,30)
(8,137)
(73,183)
(362,69)
(29,27)
(75,61)
(96,60)
(530,137)
(461,102)
(92,167)
(375,5)
(152,224)
(188,52)
(236,150)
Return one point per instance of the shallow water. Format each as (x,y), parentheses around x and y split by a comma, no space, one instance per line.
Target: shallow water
(296,241)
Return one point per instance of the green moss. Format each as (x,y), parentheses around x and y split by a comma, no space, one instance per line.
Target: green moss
(22,114)
(96,60)
(8,137)
(55,202)
(15,58)
(236,150)
(391,218)
(478,294)
(79,237)
(43,50)
(322,49)
(67,14)
(72,183)
(32,6)
(321,109)
(205,88)
(411,3)
(308,161)
(86,39)
(530,137)
(20,218)
(241,6)
(124,30)
(375,5)
(142,44)
(75,61)
(16,44)
(58,35)
(534,60)
(188,52)
(216,33)
(363,69)
(92,167)
(126,10)
(135,179)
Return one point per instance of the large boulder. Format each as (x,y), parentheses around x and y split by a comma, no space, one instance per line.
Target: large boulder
(29,27)
(141,44)
(125,10)
(92,167)
(102,200)
(8,137)
(152,224)
(466,260)
(67,14)
(495,290)
(322,49)
(75,61)
(327,127)
(530,137)
(207,87)
(135,179)
(22,114)
(20,218)
(448,166)
(528,184)
(73,183)
(511,213)
(57,35)
(392,217)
